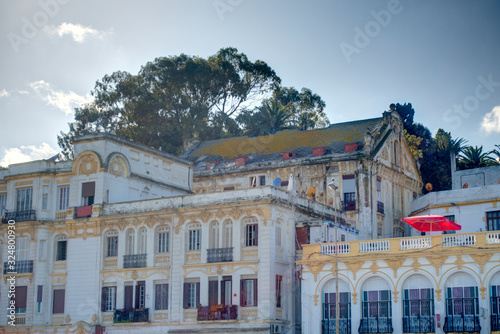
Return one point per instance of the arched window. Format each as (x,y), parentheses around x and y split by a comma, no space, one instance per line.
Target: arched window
(329,312)
(111,243)
(376,307)
(214,235)
(227,236)
(462,304)
(251,232)
(163,239)
(142,241)
(129,242)
(278,234)
(418,305)
(61,247)
(194,237)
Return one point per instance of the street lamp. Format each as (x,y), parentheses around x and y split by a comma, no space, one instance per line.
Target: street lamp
(333,187)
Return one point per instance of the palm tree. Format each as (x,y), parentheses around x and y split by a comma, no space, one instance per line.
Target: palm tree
(496,152)
(277,116)
(474,157)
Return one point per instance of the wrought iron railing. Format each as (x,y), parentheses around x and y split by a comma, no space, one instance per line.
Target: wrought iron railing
(131,315)
(380,207)
(349,205)
(219,312)
(418,324)
(20,267)
(135,261)
(220,255)
(461,323)
(328,326)
(376,325)
(495,322)
(19,216)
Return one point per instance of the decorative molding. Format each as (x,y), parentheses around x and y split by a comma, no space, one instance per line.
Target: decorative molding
(354,297)
(483,292)
(61,181)
(247,312)
(416,264)
(111,261)
(252,252)
(354,266)
(395,295)
(23,183)
(107,317)
(60,265)
(118,167)
(315,269)
(316,300)
(481,260)
(88,165)
(374,267)
(438,294)
(57,320)
(142,273)
(190,314)
(459,261)
(160,315)
(437,262)
(193,256)
(395,264)
(67,319)
(227,268)
(161,258)
(58,279)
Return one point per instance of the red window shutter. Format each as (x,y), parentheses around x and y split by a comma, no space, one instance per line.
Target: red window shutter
(185,298)
(104,292)
(242,293)
(58,305)
(39,294)
(21,296)
(88,189)
(128,296)
(255,297)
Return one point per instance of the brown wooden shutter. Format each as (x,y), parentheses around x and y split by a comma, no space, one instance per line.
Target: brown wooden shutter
(242,293)
(256,234)
(157,296)
(58,305)
(185,297)
(88,189)
(39,294)
(197,294)
(255,299)
(138,292)
(213,293)
(104,292)
(128,296)
(223,292)
(21,296)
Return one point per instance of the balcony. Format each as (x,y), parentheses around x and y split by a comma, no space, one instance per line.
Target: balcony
(131,315)
(349,205)
(219,312)
(134,261)
(328,326)
(495,321)
(19,216)
(380,207)
(83,211)
(461,323)
(376,325)
(220,255)
(418,324)
(21,267)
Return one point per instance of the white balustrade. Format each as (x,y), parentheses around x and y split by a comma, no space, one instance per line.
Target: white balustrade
(459,240)
(493,238)
(328,249)
(374,246)
(415,243)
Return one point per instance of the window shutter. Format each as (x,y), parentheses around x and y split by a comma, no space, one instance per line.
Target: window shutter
(256,234)
(21,296)
(103,298)
(157,296)
(58,305)
(255,299)
(197,294)
(88,189)
(185,298)
(242,293)
(39,294)
(128,296)
(223,292)
(213,293)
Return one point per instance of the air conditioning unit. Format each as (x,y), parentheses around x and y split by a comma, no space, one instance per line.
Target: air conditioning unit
(276,329)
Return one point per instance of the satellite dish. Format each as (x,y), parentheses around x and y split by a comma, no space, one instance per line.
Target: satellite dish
(277,182)
(311,192)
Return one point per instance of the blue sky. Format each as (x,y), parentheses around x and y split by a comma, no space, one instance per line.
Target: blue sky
(359,56)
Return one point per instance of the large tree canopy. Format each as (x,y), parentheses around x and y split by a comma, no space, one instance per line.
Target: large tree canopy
(173,99)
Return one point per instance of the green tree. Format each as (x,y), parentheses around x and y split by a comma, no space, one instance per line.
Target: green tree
(414,143)
(474,157)
(173,99)
(406,112)
(496,151)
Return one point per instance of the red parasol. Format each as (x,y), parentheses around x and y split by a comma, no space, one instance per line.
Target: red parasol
(429,223)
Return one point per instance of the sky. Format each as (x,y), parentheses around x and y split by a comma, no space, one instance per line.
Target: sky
(442,56)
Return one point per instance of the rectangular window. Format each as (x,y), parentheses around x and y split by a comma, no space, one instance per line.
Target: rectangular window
(495,307)
(329,311)
(349,191)
(63,198)
(493,220)
(39,296)
(20,299)
(194,240)
(163,240)
(108,298)
(418,310)
(262,180)
(22,248)
(279,286)
(248,293)
(213,292)
(61,250)
(140,294)
(112,246)
(58,302)
(251,235)
(191,295)
(24,199)
(376,304)
(161,297)
(253,181)
(226,290)
(3,203)
(88,193)
(349,201)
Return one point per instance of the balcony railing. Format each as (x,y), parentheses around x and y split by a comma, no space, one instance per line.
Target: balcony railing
(19,216)
(328,326)
(220,255)
(219,312)
(131,315)
(349,205)
(376,325)
(135,261)
(493,238)
(418,324)
(459,240)
(380,207)
(415,243)
(495,321)
(83,211)
(461,323)
(21,267)
(327,249)
(374,246)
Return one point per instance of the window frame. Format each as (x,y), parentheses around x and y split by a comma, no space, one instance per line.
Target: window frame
(163,240)
(111,243)
(492,219)
(61,252)
(161,296)
(252,234)
(62,198)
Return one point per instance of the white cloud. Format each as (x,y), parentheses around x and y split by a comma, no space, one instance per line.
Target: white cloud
(27,153)
(77,31)
(4,93)
(64,101)
(491,121)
